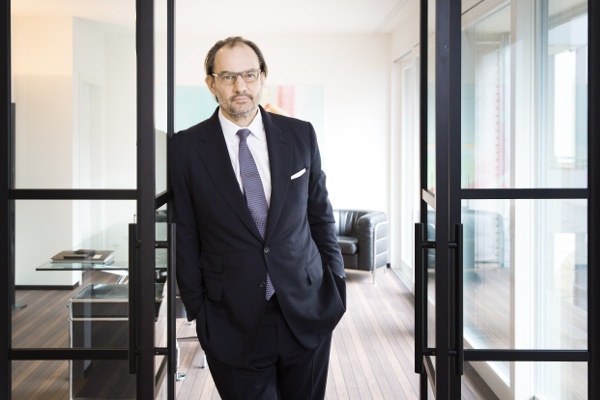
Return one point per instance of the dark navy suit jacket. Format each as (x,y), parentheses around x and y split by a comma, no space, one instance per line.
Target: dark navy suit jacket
(222,260)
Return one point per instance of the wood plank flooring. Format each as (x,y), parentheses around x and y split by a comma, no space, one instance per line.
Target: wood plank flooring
(372,352)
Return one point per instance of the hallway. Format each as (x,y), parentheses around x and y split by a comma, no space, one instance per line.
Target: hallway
(372,355)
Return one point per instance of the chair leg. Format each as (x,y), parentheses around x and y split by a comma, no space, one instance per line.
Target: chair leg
(178,375)
(203,363)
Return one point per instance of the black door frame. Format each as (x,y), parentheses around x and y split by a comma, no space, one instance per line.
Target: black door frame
(143,350)
(449,355)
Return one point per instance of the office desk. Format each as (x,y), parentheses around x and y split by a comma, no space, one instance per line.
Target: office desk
(116,239)
(99,315)
(99,319)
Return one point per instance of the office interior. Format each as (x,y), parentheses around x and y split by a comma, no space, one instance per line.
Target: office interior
(355,71)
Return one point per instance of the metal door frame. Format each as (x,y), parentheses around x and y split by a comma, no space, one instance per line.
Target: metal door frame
(142,353)
(445,378)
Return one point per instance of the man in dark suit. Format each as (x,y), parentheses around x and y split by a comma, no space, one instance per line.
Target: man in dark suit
(231,256)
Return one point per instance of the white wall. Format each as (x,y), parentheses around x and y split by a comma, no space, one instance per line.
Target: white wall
(120,111)
(355,72)
(88,66)
(74,89)
(404,42)
(42,90)
(406,34)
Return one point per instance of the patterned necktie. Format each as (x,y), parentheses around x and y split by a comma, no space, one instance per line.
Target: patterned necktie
(254,192)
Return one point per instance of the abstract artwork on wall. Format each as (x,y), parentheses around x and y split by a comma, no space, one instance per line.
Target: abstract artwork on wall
(194,104)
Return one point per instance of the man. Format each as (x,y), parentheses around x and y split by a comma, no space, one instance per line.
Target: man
(253,217)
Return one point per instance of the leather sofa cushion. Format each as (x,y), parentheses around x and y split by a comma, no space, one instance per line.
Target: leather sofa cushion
(348,245)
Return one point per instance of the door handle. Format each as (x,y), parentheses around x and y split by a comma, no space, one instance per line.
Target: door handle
(421,244)
(458,298)
(420,290)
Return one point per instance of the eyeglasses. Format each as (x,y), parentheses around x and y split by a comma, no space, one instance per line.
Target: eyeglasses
(229,78)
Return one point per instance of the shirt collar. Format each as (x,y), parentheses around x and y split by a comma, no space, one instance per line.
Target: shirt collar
(230,129)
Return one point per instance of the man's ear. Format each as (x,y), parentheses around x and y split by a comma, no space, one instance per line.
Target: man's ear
(210,82)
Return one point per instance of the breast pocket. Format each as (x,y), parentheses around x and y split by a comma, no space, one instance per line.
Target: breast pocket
(299,178)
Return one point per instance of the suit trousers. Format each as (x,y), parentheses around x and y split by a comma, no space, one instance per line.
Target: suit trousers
(280,369)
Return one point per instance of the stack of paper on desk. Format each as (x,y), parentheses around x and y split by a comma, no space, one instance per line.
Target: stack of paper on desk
(84,256)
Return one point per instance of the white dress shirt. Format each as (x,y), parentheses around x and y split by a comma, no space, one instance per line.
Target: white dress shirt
(257,144)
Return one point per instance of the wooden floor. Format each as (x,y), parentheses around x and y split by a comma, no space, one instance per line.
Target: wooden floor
(372,353)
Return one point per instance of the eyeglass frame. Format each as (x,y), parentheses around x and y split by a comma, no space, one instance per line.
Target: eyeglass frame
(236,75)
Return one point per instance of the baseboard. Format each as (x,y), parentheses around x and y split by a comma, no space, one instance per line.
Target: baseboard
(47,287)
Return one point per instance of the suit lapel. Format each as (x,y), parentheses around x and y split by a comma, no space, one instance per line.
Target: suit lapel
(280,159)
(213,152)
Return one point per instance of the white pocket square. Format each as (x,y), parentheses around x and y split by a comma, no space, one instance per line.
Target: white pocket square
(298,174)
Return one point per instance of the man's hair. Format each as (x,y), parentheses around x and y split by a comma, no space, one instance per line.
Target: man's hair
(209,62)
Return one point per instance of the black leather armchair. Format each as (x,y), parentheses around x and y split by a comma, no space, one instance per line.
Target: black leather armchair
(363,239)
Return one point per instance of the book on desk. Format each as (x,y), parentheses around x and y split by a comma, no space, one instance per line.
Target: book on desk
(85,256)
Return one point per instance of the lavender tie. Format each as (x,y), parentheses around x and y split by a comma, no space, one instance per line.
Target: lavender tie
(255,194)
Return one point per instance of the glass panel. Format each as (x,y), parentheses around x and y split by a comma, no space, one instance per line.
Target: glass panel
(161,388)
(49,289)
(73,85)
(485,158)
(524,98)
(548,380)
(40,380)
(160,331)
(102,379)
(525,274)
(430,151)
(161,124)
(160,93)
(564,154)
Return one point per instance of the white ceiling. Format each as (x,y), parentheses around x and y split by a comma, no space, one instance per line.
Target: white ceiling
(224,16)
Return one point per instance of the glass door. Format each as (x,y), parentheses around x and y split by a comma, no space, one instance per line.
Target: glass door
(85,254)
(509,216)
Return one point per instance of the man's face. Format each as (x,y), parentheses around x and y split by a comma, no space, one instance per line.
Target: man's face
(238,101)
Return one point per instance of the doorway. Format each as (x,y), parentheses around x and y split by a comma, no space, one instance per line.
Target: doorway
(86,252)
(504,281)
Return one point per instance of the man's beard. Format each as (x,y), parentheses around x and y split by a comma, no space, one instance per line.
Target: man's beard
(236,112)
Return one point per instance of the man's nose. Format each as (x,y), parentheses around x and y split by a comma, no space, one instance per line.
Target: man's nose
(239,84)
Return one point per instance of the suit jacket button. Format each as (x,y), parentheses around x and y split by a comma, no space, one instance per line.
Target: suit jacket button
(267,250)
(262,284)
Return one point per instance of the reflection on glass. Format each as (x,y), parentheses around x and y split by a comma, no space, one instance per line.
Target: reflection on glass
(430,265)
(548,380)
(73,85)
(526,128)
(431,310)
(525,274)
(564,153)
(485,104)
(431,4)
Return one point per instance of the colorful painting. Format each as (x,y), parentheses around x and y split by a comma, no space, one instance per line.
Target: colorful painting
(194,104)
